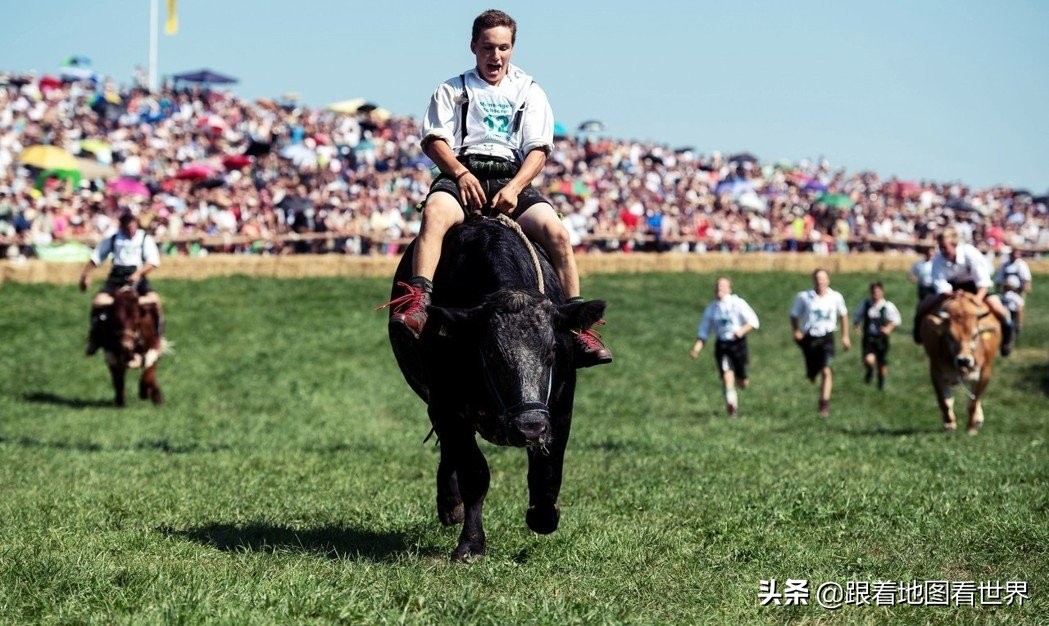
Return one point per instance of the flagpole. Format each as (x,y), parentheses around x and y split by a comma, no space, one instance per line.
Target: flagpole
(154,12)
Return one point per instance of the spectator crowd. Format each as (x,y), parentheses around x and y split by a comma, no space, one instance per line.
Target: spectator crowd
(207,171)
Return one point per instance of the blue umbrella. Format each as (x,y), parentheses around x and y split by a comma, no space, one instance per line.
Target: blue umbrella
(560,130)
(734,186)
(205,76)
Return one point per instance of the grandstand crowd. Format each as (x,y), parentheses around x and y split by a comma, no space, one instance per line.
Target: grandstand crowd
(207,171)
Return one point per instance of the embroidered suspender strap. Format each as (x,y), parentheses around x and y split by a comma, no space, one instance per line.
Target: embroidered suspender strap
(464,109)
(520,109)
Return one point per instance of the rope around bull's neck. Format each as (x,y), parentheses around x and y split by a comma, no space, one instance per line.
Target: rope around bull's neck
(528,244)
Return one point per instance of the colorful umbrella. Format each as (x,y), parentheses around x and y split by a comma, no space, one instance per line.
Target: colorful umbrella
(195,171)
(97,147)
(93,170)
(127,187)
(48,158)
(835,201)
(236,161)
(348,107)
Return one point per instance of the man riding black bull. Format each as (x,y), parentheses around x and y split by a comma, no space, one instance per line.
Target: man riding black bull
(489,131)
(135,254)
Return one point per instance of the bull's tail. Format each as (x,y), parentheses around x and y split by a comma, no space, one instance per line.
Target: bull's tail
(166,347)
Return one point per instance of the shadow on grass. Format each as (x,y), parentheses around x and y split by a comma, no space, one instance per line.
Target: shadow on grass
(888,432)
(1038,372)
(333,542)
(159,445)
(43,397)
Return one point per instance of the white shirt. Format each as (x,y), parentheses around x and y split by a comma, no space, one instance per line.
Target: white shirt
(726,316)
(967,265)
(876,315)
(491,116)
(1018,268)
(818,314)
(128,251)
(922,272)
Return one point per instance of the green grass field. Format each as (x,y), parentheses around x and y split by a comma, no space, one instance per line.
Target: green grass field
(286,479)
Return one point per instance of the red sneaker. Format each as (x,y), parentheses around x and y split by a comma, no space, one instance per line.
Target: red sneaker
(409,310)
(732,411)
(589,350)
(824,407)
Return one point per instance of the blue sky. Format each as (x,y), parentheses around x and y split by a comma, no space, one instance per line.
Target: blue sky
(927,89)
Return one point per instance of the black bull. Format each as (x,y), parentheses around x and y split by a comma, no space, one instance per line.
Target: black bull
(495,358)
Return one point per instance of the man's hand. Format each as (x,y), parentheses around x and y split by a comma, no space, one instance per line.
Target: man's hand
(846,343)
(798,336)
(471,192)
(83,282)
(505,201)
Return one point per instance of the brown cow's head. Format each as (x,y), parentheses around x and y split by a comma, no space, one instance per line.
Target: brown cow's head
(126,321)
(963,322)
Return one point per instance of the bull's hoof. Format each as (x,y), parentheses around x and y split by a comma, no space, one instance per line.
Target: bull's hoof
(143,392)
(158,398)
(543,521)
(950,427)
(452,514)
(468,551)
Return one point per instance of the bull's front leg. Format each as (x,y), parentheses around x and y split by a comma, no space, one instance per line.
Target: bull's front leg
(545,467)
(148,387)
(117,372)
(463,463)
(976,405)
(945,400)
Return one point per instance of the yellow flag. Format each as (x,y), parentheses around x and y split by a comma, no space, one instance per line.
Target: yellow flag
(171,26)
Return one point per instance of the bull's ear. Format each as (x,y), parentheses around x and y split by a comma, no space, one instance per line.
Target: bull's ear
(579,315)
(452,321)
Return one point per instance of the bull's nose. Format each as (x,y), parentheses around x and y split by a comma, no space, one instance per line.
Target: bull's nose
(533,427)
(964,361)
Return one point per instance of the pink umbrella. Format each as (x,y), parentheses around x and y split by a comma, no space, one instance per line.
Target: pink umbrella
(195,171)
(236,161)
(127,187)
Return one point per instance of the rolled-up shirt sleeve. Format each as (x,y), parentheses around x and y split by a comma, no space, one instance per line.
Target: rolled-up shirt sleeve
(150,252)
(537,122)
(102,251)
(441,119)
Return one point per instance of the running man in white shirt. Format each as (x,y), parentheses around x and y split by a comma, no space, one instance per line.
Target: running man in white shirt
(489,131)
(958,267)
(921,275)
(135,254)
(1013,280)
(731,318)
(876,318)
(814,317)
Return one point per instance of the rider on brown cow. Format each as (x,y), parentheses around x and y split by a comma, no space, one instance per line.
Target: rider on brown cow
(135,254)
(957,267)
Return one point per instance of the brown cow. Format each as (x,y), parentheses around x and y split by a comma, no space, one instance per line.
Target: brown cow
(128,335)
(961,338)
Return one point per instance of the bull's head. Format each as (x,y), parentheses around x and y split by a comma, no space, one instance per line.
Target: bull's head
(523,341)
(126,319)
(961,326)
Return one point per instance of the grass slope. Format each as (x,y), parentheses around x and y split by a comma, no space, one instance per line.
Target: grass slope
(285,480)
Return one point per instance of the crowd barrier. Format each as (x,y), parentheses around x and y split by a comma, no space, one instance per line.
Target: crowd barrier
(339,265)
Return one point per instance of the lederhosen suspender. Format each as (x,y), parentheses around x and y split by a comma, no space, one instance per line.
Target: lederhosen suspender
(465,108)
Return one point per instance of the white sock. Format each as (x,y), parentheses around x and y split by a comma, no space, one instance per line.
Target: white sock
(730,397)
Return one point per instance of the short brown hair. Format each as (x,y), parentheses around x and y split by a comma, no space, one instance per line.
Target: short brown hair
(493,18)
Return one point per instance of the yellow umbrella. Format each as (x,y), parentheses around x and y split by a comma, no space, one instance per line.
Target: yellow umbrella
(348,107)
(94,170)
(48,158)
(380,114)
(95,146)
